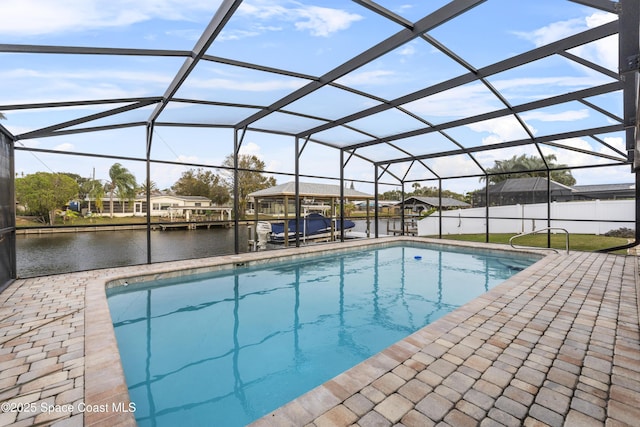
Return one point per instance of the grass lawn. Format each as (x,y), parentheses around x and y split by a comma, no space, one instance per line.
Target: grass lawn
(577,242)
(81,221)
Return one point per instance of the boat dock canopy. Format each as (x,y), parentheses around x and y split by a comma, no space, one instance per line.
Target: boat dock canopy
(308,189)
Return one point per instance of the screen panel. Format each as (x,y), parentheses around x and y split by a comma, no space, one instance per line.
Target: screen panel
(7,213)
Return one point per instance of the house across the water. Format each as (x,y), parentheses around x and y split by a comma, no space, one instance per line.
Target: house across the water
(164,205)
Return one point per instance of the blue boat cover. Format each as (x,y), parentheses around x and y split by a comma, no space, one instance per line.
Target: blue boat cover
(313,223)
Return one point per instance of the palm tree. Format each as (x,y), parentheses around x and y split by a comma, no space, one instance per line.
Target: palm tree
(2,116)
(523,165)
(142,189)
(95,191)
(416,188)
(122,182)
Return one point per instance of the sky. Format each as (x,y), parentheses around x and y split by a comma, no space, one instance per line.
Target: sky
(309,38)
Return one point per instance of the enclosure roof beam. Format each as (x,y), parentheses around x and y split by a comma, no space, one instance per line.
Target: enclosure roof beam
(50,130)
(589,64)
(449,11)
(407,24)
(219,20)
(510,144)
(256,67)
(86,50)
(570,42)
(288,73)
(605,5)
(573,96)
(583,151)
(375,7)
(629,65)
(96,129)
(77,103)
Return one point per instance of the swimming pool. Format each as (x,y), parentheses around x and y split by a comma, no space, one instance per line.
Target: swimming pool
(230,346)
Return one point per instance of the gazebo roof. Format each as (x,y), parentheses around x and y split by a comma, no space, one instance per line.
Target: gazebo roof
(309,189)
(447,202)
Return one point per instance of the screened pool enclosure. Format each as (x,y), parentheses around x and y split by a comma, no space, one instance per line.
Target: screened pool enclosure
(389,99)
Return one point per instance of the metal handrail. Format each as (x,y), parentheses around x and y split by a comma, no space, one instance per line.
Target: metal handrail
(537,231)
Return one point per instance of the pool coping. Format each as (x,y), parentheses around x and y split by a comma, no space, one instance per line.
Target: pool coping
(105,384)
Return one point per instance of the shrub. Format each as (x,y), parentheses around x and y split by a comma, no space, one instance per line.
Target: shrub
(621,232)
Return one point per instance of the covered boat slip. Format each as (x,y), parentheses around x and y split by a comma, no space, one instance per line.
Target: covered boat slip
(313,226)
(319,215)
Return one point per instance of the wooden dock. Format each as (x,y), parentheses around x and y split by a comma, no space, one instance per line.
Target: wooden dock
(395,228)
(192,225)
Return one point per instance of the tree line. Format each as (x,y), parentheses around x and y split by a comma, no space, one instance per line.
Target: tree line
(521,166)
(41,194)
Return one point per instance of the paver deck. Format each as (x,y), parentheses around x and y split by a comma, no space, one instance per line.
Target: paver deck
(557,344)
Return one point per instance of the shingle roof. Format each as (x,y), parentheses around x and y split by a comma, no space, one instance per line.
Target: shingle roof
(309,189)
(516,185)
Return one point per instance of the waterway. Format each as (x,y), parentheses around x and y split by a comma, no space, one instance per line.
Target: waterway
(55,253)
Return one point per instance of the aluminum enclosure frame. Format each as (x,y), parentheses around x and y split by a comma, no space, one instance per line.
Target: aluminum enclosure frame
(627,81)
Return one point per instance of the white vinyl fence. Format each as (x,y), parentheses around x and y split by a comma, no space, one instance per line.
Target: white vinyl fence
(601,215)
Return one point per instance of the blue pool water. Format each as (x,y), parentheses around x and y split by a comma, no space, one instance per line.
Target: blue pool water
(228,347)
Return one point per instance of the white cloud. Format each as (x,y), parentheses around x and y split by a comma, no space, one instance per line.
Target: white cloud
(250,149)
(93,74)
(604,175)
(473,99)
(621,174)
(554,31)
(376,77)
(561,29)
(42,17)
(532,84)
(501,129)
(318,21)
(248,86)
(165,175)
(237,34)
(188,34)
(522,90)
(565,116)
(66,146)
(407,50)
(182,158)
(322,21)
(615,142)
(453,165)
(575,158)
(488,158)
(603,52)
(468,100)
(74,84)
(28,143)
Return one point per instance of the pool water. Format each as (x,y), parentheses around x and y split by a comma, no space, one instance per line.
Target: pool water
(229,347)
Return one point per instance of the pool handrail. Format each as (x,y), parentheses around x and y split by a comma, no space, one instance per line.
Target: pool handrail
(539,230)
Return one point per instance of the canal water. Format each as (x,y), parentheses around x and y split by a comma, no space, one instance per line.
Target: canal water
(45,254)
(54,253)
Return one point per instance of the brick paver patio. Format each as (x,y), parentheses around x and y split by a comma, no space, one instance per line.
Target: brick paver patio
(557,344)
